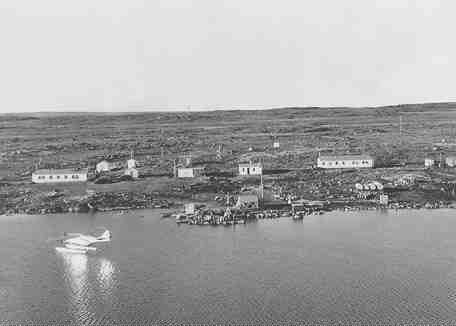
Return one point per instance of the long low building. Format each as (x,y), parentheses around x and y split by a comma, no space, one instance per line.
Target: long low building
(190,172)
(59,175)
(250,168)
(345,162)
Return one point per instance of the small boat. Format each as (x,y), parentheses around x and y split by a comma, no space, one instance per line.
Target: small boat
(72,251)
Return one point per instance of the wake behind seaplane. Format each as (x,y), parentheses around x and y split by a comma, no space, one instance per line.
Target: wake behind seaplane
(79,243)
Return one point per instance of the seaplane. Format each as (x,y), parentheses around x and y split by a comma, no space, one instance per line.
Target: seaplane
(78,243)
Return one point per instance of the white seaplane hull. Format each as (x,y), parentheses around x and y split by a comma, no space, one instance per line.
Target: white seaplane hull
(71,251)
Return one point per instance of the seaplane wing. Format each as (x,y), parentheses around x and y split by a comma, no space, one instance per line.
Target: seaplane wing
(86,240)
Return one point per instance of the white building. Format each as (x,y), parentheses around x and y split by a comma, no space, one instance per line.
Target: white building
(429,162)
(250,168)
(131,163)
(60,175)
(190,172)
(106,166)
(345,162)
(132,172)
(450,161)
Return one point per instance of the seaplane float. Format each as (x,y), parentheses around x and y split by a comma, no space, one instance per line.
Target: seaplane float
(78,243)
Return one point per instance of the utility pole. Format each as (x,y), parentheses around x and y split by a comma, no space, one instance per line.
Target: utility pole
(162,152)
(400,129)
(261,190)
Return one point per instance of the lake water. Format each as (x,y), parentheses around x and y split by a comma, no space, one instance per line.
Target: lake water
(338,267)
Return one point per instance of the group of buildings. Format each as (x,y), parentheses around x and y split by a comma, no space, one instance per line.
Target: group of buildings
(187,171)
(81,175)
(450,161)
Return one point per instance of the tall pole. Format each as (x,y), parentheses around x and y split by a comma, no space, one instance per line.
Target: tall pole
(400,129)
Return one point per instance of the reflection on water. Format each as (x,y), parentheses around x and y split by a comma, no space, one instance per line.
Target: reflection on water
(106,282)
(76,276)
(105,273)
(90,281)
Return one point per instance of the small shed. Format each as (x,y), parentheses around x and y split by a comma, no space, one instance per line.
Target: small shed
(189,208)
(429,162)
(131,163)
(450,161)
(106,166)
(384,199)
(250,168)
(132,172)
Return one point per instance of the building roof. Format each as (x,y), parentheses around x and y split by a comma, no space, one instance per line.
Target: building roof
(60,171)
(247,197)
(249,164)
(345,157)
(192,167)
(109,161)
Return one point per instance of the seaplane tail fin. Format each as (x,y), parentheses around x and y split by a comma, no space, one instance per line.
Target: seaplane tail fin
(105,236)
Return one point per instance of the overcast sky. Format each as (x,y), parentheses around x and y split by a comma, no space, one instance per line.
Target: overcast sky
(130,55)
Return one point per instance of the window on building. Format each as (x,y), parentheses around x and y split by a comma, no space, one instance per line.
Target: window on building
(58,177)
(50,177)
(75,176)
(66,177)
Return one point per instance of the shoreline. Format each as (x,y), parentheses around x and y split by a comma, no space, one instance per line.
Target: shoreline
(178,207)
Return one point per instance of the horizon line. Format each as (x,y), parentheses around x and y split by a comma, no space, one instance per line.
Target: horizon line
(213,109)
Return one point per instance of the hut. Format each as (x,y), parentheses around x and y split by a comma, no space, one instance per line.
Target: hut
(250,169)
(132,172)
(429,162)
(106,166)
(450,161)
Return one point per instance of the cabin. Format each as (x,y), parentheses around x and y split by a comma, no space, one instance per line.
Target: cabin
(345,162)
(106,166)
(132,172)
(250,168)
(190,172)
(59,176)
(131,163)
(450,161)
(189,208)
(429,162)
(247,201)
